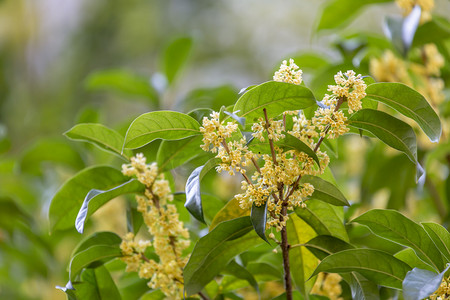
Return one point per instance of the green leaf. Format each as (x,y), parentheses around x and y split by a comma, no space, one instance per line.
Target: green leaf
(153,295)
(290,142)
(275,97)
(96,253)
(97,198)
(375,265)
(258,216)
(122,81)
(392,225)
(410,257)
(438,29)
(104,238)
(49,150)
(101,136)
(193,194)
(68,199)
(172,154)
(199,113)
(213,98)
(361,287)
(394,29)
(323,245)
(408,102)
(419,284)
(339,12)
(440,237)
(230,211)
(215,250)
(324,218)
(175,56)
(167,125)
(325,191)
(302,261)
(393,132)
(238,271)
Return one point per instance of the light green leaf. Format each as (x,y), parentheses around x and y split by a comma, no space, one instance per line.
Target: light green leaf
(96,253)
(153,295)
(339,12)
(410,257)
(377,266)
(101,136)
(230,211)
(172,154)
(122,81)
(68,199)
(440,237)
(325,191)
(175,56)
(420,284)
(275,97)
(96,284)
(104,238)
(302,261)
(97,198)
(324,218)
(215,250)
(408,102)
(392,225)
(167,125)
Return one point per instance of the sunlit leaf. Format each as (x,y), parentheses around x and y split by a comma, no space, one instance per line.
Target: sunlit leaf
(67,201)
(419,284)
(440,237)
(378,266)
(325,191)
(409,103)
(410,257)
(99,135)
(167,125)
(230,211)
(392,225)
(215,250)
(275,97)
(97,198)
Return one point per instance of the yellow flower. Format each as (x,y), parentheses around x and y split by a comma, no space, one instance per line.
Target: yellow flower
(289,73)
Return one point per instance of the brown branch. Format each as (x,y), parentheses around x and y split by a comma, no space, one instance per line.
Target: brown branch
(272,148)
(285,250)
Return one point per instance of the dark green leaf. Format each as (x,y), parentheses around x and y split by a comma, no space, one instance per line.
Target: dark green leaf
(325,191)
(101,136)
(392,225)
(172,154)
(419,284)
(167,125)
(375,265)
(409,103)
(67,201)
(338,12)
(440,237)
(175,56)
(97,198)
(438,29)
(324,218)
(290,142)
(122,81)
(323,245)
(233,268)
(215,250)
(302,261)
(362,288)
(275,97)
(96,253)
(258,216)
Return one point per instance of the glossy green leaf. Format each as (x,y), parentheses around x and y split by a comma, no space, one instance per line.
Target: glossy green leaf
(420,284)
(275,97)
(49,151)
(122,81)
(175,56)
(238,271)
(302,261)
(408,102)
(325,191)
(230,211)
(68,199)
(440,237)
(258,215)
(193,194)
(410,257)
(339,12)
(172,154)
(392,225)
(378,266)
(97,198)
(167,125)
(104,238)
(324,218)
(96,253)
(215,250)
(101,136)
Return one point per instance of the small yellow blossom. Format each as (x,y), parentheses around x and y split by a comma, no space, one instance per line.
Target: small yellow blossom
(443,292)
(434,61)
(349,86)
(289,73)
(426,5)
(327,284)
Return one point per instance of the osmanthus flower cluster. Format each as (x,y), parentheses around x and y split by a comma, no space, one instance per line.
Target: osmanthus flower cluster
(276,174)
(170,237)
(426,6)
(443,292)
